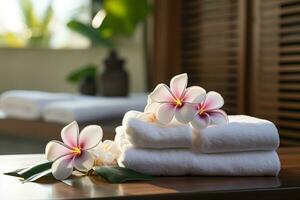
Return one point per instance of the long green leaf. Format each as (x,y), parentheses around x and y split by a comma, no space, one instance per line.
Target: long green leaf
(31,172)
(28,172)
(43,174)
(120,174)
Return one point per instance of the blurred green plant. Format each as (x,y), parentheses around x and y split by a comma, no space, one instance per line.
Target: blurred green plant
(37,28)
(77,75)
(121,19)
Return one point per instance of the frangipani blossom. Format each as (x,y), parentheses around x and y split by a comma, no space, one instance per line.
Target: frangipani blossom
(176,100)
(74,152)
(106,153)
(209,112)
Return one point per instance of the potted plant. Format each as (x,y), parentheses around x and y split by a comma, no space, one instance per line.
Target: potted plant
(115,19)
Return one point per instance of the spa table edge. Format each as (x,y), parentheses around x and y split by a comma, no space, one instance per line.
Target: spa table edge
(285,186)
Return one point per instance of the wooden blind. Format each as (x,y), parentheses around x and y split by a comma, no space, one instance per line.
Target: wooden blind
(213,47)
(277,65)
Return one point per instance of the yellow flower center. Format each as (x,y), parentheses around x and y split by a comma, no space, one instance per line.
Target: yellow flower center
(178,102)
(201,111)
(76,151)
(151,117)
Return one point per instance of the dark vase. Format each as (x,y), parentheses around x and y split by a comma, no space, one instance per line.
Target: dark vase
(88,85)
(114,79)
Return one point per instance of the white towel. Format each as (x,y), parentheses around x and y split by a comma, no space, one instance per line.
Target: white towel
(153,135)
(241,133)
(93,108)
(26,104)
(179,162)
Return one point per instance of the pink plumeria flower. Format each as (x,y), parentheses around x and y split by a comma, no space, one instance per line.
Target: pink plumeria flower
(209,112)
(176,100)
(75,151)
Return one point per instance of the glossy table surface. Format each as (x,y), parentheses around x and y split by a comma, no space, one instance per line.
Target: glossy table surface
(286,185)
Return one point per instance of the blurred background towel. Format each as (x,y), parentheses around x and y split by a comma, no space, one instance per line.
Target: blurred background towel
(93,108)
(26,104)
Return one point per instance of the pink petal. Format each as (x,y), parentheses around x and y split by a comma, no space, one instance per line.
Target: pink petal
(200,122)
(161,94)
(186,113)
(194,94)
(178,85)
(165,113)
(213,101)
(218,117)
(84,162)
(63,167)
(70,134)
(56,149)
(90,137)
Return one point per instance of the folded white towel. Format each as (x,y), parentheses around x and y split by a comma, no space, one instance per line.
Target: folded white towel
(26,104)
(93,108)
(145,134)
(241,133)
(179,162)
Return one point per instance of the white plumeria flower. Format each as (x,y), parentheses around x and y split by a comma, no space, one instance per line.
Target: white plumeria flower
(209,112)
(75,151)
(176,100)
(106,153)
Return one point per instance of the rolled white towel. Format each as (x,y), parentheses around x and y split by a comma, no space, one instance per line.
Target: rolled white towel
(146,134)
(241,133)
(179,162)
(93,108)
(26,104)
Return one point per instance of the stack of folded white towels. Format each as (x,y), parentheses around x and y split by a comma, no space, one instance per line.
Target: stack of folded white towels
(245,146)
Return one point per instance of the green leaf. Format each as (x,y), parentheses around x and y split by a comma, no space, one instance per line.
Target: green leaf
(32,173)
(120,174)
(14,173)
(43,174)
(123,16)
(78,74)
(90,32)
(28,172)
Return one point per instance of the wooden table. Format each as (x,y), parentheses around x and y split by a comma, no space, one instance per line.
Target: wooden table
(286,186)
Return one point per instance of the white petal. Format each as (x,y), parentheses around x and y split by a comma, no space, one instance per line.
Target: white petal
(62,168)
(200,122)
(213,101)
(84,162)
(218,117)
(90,137)
(56,149)
(186,113)
(152,107)
(178,84)
(110,146)
(194,94)
(70,134)
(161,94)
(165,113)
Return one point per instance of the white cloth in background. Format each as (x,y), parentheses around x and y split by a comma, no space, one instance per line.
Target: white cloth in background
(27,104)
(93,108)
(179,162)
(242,133)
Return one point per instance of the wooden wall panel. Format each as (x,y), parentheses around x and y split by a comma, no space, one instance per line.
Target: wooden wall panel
(213,41)
(276,78)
